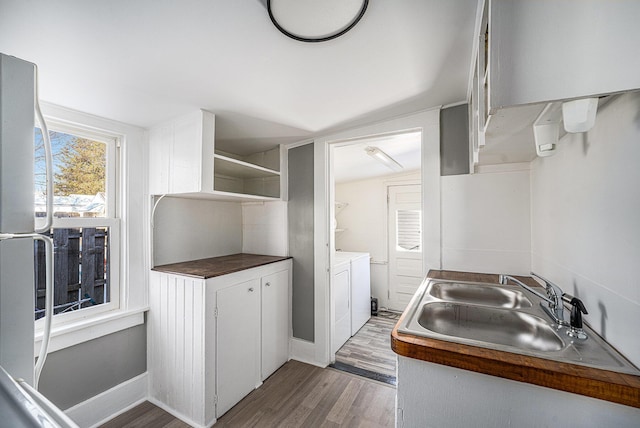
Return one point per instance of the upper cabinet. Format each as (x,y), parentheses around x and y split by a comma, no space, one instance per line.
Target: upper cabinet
(185,162)
(542,51)
(530,53)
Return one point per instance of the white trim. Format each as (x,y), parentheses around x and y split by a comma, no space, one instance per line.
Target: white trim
(456,104)
(127,307)
(94,327)
(426,121)
(179,415)
(503,167)
(298,144)
(111,217)
(108,404)
(303,351)
(475,47)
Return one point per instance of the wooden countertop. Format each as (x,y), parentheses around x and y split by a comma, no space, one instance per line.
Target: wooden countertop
(217,266)
(602,384)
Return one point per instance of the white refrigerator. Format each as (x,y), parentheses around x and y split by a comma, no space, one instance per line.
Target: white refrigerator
(17,121)
(20,403)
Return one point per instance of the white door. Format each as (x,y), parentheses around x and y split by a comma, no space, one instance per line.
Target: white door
(238,343)
(275,322)
(405,243)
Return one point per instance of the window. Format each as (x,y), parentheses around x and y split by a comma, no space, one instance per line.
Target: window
(408,227)
(86,231)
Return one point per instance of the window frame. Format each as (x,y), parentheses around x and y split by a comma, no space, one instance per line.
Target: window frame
(74,320)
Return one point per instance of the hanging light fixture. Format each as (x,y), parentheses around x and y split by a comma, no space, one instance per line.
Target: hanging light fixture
(383,158)
(315,21)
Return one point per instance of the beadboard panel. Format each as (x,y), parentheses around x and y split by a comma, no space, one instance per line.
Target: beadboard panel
(182,357)
(179,372)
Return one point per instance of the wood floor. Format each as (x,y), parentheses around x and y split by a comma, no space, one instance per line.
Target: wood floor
(145,415)
(370,348)
(297,395)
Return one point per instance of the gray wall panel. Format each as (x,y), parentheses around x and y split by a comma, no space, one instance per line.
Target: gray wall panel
(74,374)
(454,140)
(301,239)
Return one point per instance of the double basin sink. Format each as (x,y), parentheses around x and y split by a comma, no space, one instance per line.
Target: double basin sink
(504,318)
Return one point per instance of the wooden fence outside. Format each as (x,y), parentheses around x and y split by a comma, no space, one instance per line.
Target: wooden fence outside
(81,269)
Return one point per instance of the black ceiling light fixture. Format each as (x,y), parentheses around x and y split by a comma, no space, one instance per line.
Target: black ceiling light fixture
(315,21)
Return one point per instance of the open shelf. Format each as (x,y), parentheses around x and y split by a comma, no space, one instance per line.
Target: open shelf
(186,163)
(230,167)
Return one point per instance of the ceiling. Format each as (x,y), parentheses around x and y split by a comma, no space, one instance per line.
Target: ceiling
(144,61)
(351,162)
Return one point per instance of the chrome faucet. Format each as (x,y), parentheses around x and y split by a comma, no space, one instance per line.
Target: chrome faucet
(554,307)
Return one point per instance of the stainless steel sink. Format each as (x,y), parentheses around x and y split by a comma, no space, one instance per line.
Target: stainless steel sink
(490,325)
(504,318)
(480,294)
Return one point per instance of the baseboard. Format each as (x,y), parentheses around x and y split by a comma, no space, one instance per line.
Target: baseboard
(111,403)
(304,351)
(178,415)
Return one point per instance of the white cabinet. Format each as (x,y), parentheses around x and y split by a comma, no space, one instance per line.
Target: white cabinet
(252,335)
(184,161)
(238,343)
(530,53)
(181,155)
(212,341)
(541,51)
(275,322)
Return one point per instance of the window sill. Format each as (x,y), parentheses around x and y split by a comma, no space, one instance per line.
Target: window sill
(74,333)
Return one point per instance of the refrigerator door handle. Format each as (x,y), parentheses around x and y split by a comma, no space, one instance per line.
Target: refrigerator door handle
(48,160)
(48,295)
(48,306)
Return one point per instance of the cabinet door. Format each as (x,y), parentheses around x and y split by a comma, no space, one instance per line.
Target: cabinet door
(181,154)
(238,343)
(275,322)
(186,154)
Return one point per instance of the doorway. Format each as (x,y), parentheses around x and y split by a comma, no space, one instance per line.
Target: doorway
(428,123)
(360,228)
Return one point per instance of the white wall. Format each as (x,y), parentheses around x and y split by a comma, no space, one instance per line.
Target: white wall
(365,224)
(486,221)
(264,228)
(586,221)
(491,401)
(191,229)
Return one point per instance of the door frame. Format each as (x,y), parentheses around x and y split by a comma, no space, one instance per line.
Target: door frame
(428,123)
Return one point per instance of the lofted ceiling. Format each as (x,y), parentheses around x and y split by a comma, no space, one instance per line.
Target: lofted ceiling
(144,61)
